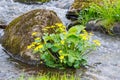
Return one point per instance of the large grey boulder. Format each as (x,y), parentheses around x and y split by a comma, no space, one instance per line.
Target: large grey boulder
(17,35)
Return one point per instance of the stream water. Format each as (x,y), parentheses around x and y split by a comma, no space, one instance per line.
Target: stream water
(104,63)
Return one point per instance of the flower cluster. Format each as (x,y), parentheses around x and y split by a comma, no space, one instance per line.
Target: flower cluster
(64,48)
(57,28)
(37,44)
(97,42)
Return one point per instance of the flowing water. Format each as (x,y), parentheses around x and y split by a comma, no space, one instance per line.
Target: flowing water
(104,63)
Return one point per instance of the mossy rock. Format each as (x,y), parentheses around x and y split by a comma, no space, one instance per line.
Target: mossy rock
(31,1)
(81,4)
(17,35)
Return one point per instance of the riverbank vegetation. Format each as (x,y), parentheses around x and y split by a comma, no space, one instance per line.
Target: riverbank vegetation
(107,11)
(50,77)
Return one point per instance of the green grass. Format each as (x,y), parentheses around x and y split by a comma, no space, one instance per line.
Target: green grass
(107,11)
(49,77)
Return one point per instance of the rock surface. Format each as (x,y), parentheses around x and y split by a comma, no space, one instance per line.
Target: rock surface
(31,1)
(17,35)
(98,26)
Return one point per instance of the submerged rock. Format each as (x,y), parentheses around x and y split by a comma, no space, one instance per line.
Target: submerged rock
(31,1)
(98,26)
(3,26)
(17,35)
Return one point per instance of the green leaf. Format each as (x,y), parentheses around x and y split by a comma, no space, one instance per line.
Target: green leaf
(55,49)
(48,59)
(50,64)
(69,64)
(71,59)
(77,64)
(49,45)
(62,36)
(80,46)
(73,38)
(83,61)
(76,29)
(44,56)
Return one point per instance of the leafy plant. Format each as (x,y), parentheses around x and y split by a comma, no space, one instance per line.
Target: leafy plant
(108,11)
(64,48)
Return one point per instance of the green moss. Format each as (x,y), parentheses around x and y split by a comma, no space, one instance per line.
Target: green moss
(81,4)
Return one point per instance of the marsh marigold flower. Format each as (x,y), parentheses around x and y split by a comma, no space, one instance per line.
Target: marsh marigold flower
(34,33)
(60,51)
(62,41)
(91,34)
(29,47)
(59,24)
(97,42)
(38,47)
(52,26)
(83,36)
(64,32)
(61,58)
(37,38)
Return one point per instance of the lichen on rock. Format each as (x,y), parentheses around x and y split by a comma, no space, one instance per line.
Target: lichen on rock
(17,35)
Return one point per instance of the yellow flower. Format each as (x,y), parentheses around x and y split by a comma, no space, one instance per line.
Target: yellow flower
(34,33)
(61,57)
(62,41)
(37,38)
(38,43)
(84,31)
(47,27)
(29,47)
(91,34)
(62,29)
(38,47)
(44,29)
(64,32)
(34,43)
(52,26)
(59,24)
(83,36)
(97,42)
(60,51)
